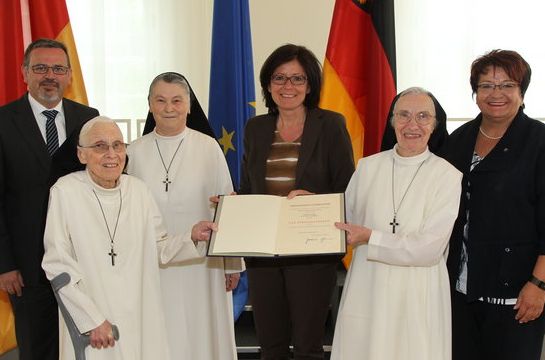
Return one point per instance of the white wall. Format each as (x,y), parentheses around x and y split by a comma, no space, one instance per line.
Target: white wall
(123,44)
(437,41)
(277,22)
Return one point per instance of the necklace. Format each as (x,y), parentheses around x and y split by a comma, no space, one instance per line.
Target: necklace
(112,252)
(394,223)
(167,169)
(488,136)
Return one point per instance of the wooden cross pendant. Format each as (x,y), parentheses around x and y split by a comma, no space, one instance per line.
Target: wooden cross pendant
(166,182)
(112,254)
(394,224)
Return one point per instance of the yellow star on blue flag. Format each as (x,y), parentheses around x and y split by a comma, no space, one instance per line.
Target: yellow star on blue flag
(232,95)
(232,88)
(226,140)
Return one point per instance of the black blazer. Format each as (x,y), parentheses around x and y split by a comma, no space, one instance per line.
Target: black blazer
(26,174)
(507,208)
(325,162)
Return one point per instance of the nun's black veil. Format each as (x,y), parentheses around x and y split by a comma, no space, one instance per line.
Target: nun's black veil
(437,139)
(196,119)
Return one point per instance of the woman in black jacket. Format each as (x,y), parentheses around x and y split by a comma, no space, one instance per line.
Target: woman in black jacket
(297,148)
(497,249)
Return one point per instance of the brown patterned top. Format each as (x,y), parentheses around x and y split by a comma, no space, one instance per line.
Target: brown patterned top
(281,165)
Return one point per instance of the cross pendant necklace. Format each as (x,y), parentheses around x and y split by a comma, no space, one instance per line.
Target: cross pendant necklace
(166,182)
(394,222)
(167,169)
(112,252)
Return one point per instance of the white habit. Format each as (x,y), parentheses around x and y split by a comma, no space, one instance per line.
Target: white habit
(128,294)
(199,312)
(396,298)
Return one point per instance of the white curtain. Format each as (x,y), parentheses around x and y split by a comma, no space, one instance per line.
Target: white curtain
(438,40)
(123,44)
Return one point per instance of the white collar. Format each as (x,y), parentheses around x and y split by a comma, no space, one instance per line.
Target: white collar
(38,108)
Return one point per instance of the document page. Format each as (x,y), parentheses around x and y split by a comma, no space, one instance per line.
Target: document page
(306,225)
(246,224)
(267,225)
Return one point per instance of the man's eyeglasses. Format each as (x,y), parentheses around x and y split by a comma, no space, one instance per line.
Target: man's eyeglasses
(43,69)
(421,118)
(488,87)
(281,79)
(103,148)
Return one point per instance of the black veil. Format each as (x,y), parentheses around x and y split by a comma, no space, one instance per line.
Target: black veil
(196,119)
(437,139)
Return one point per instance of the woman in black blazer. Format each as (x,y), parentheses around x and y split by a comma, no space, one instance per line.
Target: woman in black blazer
(497,250)
(295,149)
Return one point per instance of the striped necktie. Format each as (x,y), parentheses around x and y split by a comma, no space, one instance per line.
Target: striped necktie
(51,136)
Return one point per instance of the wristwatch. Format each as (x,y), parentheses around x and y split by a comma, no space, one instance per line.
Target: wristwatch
(540,284)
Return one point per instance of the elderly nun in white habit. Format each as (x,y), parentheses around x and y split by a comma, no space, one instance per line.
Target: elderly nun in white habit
(401,206)
(105,230)
(183,169)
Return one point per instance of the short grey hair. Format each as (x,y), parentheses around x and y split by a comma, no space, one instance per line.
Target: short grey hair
(88,126)
(171,78)
(44,44)
(415,90)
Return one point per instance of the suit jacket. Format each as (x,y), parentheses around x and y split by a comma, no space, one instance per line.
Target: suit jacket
(506,207)
(26,174)
(325,162)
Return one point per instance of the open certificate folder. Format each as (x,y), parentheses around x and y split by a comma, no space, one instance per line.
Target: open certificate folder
(268,225)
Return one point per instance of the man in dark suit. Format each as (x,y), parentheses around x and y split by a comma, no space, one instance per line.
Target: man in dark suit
(38,138)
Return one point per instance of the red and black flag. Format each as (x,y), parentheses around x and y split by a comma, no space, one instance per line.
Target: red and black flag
(22,22)
(359,71)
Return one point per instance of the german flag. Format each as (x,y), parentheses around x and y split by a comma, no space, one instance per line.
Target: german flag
(23,21)
(7,325)
(12,49)
(359,71)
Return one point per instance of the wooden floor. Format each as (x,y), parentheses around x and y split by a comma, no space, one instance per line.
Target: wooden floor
(247,345)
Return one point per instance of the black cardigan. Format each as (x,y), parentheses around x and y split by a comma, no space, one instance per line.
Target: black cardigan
(507,208)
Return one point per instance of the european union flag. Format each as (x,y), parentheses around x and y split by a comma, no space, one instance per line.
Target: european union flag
(232,93)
